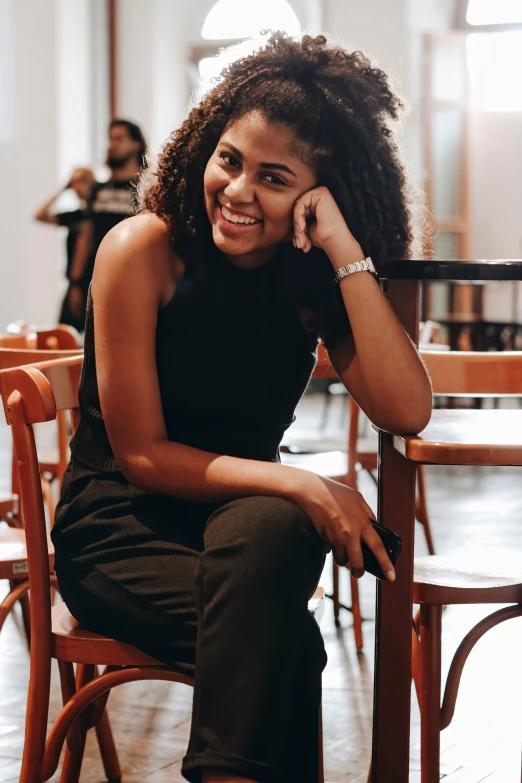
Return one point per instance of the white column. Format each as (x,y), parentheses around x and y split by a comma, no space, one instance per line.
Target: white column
(170,86)
(74,85)
(152,83)
(46,122)
(28,161)
(134,48)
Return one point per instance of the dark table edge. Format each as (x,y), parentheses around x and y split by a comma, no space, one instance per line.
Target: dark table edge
(477,270)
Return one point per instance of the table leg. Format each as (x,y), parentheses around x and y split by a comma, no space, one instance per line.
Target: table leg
(392,694)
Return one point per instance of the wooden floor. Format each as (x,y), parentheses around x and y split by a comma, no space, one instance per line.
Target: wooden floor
(470,508)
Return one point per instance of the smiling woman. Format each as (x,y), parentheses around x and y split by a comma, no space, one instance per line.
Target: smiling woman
(178,529)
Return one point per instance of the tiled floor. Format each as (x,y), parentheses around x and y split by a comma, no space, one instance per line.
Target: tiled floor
(470,508)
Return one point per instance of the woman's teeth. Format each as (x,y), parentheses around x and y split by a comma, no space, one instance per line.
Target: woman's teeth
(237,218)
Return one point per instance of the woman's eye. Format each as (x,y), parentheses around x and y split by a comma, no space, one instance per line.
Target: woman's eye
(274,180)
(229,160)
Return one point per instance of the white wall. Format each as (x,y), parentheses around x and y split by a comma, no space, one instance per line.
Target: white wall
(45,130)
(28,161)
(152,52)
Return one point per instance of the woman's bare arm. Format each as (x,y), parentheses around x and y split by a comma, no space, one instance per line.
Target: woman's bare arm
(378,363)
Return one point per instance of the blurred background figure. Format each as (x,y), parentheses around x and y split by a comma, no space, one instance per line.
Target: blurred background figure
(82,182)
(110,202)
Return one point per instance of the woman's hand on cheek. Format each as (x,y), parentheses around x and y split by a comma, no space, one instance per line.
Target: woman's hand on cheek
(318,222)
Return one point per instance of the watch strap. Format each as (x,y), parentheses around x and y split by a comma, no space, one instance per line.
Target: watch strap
(358,266)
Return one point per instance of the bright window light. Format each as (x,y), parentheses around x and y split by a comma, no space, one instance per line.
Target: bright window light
(229,19)
(495,64)
(494,11)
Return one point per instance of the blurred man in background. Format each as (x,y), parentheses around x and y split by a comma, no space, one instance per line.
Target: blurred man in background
(110,203)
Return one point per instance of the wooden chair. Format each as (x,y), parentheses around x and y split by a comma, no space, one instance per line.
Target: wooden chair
(54,461)
(462,579)
(32,395)
(13,556)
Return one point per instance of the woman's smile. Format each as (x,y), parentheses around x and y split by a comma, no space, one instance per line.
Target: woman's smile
(234,223)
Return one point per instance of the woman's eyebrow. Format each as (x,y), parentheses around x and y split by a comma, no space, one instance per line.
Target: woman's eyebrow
(279,166)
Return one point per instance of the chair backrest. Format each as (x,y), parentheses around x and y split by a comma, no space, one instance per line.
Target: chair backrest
(61,337)
(30,395)
(475,373)
(16,357)
(452,373)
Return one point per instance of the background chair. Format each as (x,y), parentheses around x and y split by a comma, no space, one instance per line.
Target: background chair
(32,395)
(464,578)
(13,555)
(53,461)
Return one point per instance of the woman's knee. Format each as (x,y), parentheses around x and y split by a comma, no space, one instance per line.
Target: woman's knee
(271,528)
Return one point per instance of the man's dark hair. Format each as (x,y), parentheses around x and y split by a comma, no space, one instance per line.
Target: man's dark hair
(135,133)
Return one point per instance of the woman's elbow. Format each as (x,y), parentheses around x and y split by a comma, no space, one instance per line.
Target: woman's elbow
(135,469)
(406,421)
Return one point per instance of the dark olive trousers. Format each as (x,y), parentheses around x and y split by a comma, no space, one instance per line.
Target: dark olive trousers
(221,596)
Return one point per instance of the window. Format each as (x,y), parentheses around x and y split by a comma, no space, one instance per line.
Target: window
(495,64)
(233,19)
(241,23)
(495,57)
(494,12)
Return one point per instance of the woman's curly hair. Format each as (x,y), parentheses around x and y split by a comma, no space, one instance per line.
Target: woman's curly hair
(336,102)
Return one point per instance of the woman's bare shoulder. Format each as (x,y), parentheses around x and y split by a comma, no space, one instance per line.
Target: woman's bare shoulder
(137,246)
(138,233)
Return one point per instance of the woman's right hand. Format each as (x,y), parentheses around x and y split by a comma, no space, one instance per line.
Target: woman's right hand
(341,516)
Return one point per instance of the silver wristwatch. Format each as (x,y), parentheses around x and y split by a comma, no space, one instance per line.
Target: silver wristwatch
(358,266)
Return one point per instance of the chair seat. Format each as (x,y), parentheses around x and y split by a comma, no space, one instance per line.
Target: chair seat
(463,578)
(13,553)
(73,643)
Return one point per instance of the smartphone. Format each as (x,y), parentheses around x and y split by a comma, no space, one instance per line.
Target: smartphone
(392,543)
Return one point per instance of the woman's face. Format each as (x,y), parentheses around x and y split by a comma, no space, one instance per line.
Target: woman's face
(251,184)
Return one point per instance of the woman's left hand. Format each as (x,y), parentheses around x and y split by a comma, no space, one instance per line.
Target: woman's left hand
(318,222)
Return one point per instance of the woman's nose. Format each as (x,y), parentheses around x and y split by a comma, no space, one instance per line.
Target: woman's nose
(240,189)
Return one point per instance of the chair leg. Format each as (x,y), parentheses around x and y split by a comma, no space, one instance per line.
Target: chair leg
(47,492)
(356,606)
(421,510)
(108,753)
(415,659)
(26,616)
(73,758)
(356,613)
(335,592)
(326,407)
(430,683)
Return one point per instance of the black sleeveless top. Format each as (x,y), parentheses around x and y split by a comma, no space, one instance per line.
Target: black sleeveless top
(233,357)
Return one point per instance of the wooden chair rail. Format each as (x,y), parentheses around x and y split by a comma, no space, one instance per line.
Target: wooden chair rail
(459,659)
